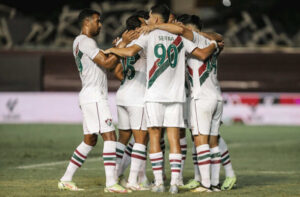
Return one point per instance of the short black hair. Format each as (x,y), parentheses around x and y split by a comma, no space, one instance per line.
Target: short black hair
(142,14)
(163,10)
(191,19)
(133,22)
(86,13)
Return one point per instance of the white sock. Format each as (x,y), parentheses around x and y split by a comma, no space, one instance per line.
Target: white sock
(203,154)
(138,155)
(142,176)
(120,152)
(175,163)
(196,168)
(126,158)
(157,166)
(225,158)
(183,147)
(215,165)
(77,160)
(109,159)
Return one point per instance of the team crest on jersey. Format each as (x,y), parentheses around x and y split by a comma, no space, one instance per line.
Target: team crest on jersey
(108,122)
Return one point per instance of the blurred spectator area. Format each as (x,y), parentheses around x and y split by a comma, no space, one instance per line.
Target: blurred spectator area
(238,70)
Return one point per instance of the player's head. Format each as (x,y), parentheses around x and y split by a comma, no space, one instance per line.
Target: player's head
(192,22)
(172,18)
(159,14)
(133,22)
(143,16)
(90,21)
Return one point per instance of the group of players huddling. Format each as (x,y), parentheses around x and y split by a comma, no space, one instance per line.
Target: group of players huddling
(168,73)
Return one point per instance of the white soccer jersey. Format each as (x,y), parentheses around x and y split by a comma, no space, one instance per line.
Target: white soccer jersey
(165,65)
(93,78)
(203,74)
(132,89)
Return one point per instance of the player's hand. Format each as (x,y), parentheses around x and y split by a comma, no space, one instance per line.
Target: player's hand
(129,36)
(107,51)
(146,29)
(114,43)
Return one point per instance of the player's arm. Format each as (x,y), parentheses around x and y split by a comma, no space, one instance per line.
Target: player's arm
(124,52)
(212,36)
(118,72)
(110,61)
(204,53)
(170,27)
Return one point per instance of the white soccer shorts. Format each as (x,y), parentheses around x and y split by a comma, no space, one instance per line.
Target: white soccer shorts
(97,118)
(164,114)
(206,116)
(131,117)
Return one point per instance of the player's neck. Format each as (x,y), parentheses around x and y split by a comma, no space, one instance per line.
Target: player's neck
(84,31)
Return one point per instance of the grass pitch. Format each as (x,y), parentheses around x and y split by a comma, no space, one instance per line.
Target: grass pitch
(266,160)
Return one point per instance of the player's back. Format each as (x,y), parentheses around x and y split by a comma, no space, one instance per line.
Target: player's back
(93,78)
(132,89)
(204,72)
(165,65)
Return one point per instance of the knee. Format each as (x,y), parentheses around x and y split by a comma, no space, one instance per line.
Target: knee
(91,139)
(213,141)
(109,136)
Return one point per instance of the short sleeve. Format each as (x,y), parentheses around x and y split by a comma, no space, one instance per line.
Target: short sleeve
(142,41)
(89,47)
(188,45)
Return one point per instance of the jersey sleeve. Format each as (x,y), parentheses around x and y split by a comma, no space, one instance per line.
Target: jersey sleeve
(89,47)
(188,45)
(142,41)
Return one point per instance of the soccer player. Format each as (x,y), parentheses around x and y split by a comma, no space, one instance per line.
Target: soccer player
(97,119)
(165,92)
(130,107)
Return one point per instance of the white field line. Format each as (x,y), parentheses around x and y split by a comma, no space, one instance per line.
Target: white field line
(41,165)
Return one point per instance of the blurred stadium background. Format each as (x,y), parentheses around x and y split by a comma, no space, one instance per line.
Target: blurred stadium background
(259,74)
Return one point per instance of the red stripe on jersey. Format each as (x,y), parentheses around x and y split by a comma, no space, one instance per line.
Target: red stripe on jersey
(157,159)
(216,162)
(175,171)
(157,168)
(153,69)
(202,69)
(177,40)
(226,163)
(109,153)
(190,70)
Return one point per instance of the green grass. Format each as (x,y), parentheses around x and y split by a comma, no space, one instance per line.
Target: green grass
(265,158)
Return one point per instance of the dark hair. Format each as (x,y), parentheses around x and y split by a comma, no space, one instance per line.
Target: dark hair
(163,10)
(86,13)
(133,22)
(142,14)
(191,19)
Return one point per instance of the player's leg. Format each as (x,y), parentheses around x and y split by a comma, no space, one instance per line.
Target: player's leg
(124,136)
(230,180)
(154,117)
(138,155)
(214,147)
(91,130)
(173,120)
(183,148)
(108,134)
(163,148)
(202,111)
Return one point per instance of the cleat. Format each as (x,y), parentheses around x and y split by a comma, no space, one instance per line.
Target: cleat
(229,183)
(216,188)
(136,187)
(68,185)
(158,188)
(145,184)
(122,181)
(192,184)
(173,189)
(201,188)
(116,188)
